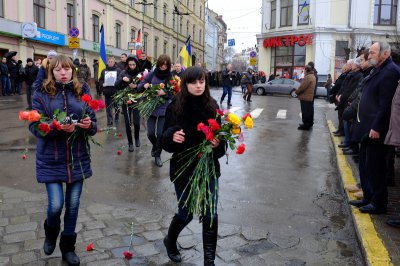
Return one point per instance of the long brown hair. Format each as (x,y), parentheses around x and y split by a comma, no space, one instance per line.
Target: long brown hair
(49,85)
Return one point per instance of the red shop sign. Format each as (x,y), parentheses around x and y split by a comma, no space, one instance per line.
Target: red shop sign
(301,40)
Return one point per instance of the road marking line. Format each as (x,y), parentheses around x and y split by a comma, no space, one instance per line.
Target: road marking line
(234,109)
(374,248)
(256,112)
(281,114)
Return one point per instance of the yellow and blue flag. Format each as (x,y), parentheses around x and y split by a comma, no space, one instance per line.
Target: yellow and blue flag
(304,7)
(102,55)
(186,54)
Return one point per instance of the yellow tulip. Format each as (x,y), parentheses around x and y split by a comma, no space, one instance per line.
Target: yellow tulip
(249,122)
(235,130)
(234,119)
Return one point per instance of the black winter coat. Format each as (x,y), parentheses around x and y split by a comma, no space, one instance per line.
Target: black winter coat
(348,87)
(338,84)
(4,70)
(120,84)
(193,114)
(109,90)
(13,68)
(376,100)
(31,73)
(144,64)
(227,79)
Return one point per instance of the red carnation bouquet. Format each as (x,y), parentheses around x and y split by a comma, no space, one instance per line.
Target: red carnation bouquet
(204,173)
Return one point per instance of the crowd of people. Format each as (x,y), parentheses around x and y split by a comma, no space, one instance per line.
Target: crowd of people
(367,96)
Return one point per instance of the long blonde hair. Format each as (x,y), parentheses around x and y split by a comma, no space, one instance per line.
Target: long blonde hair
(49,85)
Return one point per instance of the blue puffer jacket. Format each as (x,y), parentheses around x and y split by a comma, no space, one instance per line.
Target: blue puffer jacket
(57,158)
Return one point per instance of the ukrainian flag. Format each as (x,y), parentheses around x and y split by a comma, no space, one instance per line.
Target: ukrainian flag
(102,55)
(186,54)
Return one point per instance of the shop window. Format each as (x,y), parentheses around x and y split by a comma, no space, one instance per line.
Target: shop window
(273,14)
(304,12)
(385,12)
(70,16)
(288,60)
(286,13)
(2,8)
(117,35)
(95,27)
(39,12)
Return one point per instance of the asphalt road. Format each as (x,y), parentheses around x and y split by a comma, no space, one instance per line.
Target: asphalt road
(286,183)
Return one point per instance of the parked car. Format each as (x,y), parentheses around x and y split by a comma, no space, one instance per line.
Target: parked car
(277,86)
(283,87)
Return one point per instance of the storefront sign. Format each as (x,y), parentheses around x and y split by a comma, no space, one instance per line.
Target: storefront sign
(301,40)
(50,37)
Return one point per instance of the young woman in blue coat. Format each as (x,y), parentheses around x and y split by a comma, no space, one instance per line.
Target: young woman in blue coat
(60,160)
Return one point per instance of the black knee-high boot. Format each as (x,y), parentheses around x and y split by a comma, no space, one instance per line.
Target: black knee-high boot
(51,238)
(137,130)
(174,230)
(67,247)
(210,235)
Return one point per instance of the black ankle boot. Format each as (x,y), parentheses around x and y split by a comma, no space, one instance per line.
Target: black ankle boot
(174,230)
(51,238)
(210,235)
(158,161)
(67,247)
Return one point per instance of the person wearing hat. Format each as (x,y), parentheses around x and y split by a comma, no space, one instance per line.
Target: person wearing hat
(42,74)
(83,72)
(31,72)
(127,78)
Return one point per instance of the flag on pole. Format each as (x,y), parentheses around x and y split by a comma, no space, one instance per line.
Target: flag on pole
(304,7)
(102,55)
(186,54)
(138,44)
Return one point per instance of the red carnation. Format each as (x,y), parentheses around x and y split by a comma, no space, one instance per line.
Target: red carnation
(209,135)
(102,105)
(23,156)
(94,105)
(119,152)
(241,148)
(129,102)
(90,247)
(200,126)
(128,255)
(199,155)
(56,125)
(45,128)
(213,124)
(86,98)
(220,112)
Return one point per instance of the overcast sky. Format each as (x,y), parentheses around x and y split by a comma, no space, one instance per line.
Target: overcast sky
(243,19)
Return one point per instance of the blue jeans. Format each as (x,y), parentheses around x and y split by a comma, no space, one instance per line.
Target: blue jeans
(55,196)
(227,90)
(183,212)
(5,86)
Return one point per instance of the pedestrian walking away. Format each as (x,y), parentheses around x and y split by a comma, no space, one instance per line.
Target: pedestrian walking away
(54,151)
(155,123)
(127,79)
(247,80)
(193,105)
(227,83)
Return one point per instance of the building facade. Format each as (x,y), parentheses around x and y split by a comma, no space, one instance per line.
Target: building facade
(327,32)
(165,26)
(215,37)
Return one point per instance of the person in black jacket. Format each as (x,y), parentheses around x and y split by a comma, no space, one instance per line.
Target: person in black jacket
(31,72)
(193,105)
(144,63)
(227,83)
(107,82)
(5,78)
(334,91)
(373,117)
(13,70)
(127,79)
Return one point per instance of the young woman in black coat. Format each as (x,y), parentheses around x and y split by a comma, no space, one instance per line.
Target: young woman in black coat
(125,79)
(193,105)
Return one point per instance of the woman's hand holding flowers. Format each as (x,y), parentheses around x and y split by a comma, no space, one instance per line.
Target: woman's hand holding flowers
(214,143)
(132,86)
(179,136)
(68,128)
(146,86)
(85,123)
(161,92)
(126,79)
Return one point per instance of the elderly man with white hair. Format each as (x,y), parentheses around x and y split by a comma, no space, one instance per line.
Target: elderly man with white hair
(373,122)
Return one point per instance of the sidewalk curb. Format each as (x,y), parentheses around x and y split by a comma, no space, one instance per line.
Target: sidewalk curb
(372,245)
